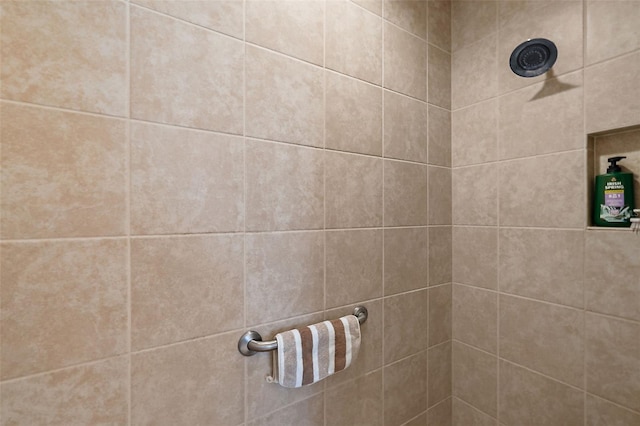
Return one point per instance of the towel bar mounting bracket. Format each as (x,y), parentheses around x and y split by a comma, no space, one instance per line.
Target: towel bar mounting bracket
(251,341)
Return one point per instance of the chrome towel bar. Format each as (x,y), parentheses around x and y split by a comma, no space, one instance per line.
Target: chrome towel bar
(251,341)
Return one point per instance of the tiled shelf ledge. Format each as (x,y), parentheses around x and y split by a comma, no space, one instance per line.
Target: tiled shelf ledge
(606,228)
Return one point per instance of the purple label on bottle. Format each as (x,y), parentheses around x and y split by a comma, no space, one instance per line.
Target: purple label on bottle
(614,198)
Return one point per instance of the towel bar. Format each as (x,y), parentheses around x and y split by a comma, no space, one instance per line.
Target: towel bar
(251,341)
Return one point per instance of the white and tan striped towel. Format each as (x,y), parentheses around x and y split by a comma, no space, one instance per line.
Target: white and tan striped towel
(311,353)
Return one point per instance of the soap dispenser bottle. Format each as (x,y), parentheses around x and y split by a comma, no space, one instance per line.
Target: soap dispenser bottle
(613,196)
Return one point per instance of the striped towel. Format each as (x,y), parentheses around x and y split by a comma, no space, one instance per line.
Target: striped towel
(310,354)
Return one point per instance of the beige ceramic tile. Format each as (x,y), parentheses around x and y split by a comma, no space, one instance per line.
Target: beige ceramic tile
(353,190)
(601,412)
(353,115)
(471,21)
(475,317)
(475,195)
(405,194)
(527,398)
(353,41)
(611,274)
(439,136)
(405,62)
(263,397)
(284,98)
(405,128)
(474,134)
(439,382)
(185,287)
(439,196)
(613,360)
(204,378)
(405,325)
(370,354)
(440,255)
(475,256)
(374,6)
(612,94)
(88,394)
(410,15)
(354,266)
(198,87)
(557,103)
(530,196)
(558,21)
(439,314)
(295,28)
(405,389)
(466,415)
(311,410)
(63,174)
(439,24)
(405,259)
(468,84)
(440,414)
(285,275)
(439,77)
(525,323)
(225,16)
(284,187)
(611,29)
(357,402)
(63,303)
(475,377)
(185,181)
(528,268)
(66,54)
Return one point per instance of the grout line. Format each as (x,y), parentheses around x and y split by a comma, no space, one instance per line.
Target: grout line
(413,98)
(427,218)
(505,227)
(61,109)
(613,58)
(405,358)
(245,376)
(264,415)
(128,217)
(574,387)
(66,367)
(631,410)
(285,231)
(237,332)
(384,166)
(588,220)
(324,188)
(497,236)
(511,160)
(191,24)
(385,20)
(474,407)
(208,234)
(185,127)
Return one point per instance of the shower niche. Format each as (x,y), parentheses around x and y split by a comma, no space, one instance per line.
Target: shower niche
(612,143)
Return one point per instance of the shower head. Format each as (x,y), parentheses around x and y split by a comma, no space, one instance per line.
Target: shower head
(533,57)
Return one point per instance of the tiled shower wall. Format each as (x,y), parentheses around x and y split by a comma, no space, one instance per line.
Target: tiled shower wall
(546,313)
(177,172)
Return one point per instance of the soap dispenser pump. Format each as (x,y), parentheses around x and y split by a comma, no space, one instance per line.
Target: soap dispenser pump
(613,196)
